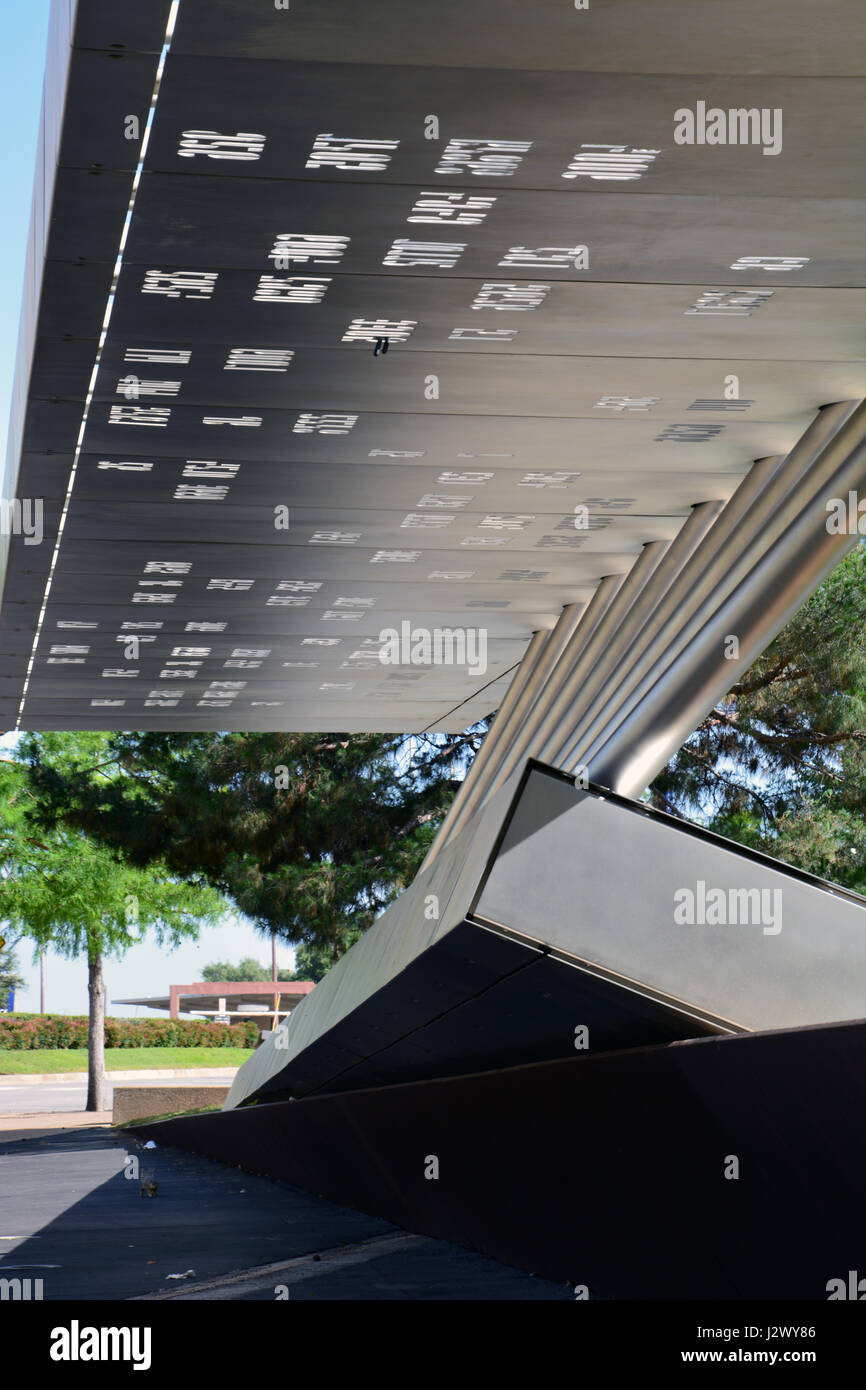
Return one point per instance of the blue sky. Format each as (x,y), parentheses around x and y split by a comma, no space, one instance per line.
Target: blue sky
(145,969)
(22,60)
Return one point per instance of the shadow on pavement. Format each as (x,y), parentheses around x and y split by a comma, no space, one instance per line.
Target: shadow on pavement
(83,1227)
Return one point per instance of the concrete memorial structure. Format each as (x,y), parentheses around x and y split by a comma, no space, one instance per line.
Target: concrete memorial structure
(384,368)
(570,920)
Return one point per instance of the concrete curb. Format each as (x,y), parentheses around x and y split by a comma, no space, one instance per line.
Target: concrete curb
(16,1127)
(25,1078)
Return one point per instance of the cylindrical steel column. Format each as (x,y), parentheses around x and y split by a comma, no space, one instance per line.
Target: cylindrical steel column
(772,495)
(593,690)
(512,701)
(525,742)
(765,599)
(538,672)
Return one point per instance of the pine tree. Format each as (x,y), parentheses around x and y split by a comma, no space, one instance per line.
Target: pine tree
(309,835)
(780,763)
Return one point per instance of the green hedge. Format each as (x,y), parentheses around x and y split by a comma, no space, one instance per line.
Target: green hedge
(22,1032)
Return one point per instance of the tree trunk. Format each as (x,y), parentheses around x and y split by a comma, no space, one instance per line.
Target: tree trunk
(96,1088)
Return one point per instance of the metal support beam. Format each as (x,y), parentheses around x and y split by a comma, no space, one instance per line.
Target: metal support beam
(672,703)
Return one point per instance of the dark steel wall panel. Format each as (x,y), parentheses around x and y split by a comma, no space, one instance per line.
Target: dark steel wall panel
(605,1171)
(543,864)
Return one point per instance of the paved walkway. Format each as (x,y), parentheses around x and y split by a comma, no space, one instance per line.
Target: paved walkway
(70,1216)
(14,1127)
(67,1091)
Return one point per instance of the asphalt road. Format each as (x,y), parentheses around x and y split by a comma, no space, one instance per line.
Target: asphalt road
(70,1217)
(24,1097)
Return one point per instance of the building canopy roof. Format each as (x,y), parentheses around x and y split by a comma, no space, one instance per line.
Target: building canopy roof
(591,326)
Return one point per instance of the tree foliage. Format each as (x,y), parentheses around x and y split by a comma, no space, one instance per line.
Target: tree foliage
(310,835)
(780,763)
(67,891)
(70,893)
(9,976)
(221,971)
(313,962)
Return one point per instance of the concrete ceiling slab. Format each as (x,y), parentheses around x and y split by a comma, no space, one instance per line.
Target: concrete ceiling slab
(580,312)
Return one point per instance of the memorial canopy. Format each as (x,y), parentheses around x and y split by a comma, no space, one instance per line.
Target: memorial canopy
(340,317)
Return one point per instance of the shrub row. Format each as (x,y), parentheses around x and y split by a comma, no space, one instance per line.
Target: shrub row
(26,1031)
